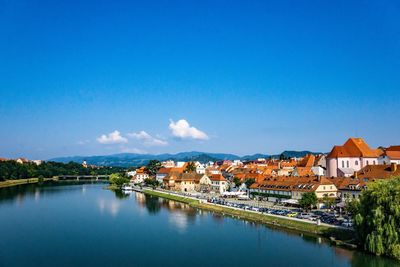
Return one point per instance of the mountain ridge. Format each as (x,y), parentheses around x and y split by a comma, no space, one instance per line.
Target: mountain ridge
(134,159)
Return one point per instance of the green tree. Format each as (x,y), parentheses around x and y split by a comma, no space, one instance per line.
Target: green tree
(151,182)
(377,221)
(249,182)
(308,200)
(328,202)
(352,206)
(191,167)
(237,181)
(153,167)
(118,179)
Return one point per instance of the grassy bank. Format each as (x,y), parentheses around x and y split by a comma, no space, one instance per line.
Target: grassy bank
(9,183)
(336,235)
(172,197)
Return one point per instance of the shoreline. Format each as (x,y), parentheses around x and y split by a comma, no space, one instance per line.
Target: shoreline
(337,236)
(10,183)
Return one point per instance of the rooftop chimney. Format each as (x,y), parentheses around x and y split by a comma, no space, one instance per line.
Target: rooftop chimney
(393,167)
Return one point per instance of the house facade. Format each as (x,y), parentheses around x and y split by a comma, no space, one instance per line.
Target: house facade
(295,187)
(187,182)
(161,174)
(218,183)
(390,155)
(140,176)
(344,161)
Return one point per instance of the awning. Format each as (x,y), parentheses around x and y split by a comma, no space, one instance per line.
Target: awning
(290,201)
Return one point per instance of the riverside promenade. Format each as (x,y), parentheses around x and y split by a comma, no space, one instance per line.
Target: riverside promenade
(184,197)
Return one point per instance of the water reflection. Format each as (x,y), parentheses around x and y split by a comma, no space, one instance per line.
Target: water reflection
(363,260)
(121,194)
(112,207)
(180,215)
(175,221)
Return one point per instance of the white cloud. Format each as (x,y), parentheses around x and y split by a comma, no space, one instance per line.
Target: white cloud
(112,138)
(182,129)
(148,139)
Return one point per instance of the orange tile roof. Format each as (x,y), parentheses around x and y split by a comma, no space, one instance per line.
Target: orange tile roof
(393,152)
(378,171)
(354,147)
(306,184)
(304,171)
(217,177)
(307,161)
(164,170)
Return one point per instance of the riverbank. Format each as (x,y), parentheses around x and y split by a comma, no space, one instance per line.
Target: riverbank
(338,236)
(9,183)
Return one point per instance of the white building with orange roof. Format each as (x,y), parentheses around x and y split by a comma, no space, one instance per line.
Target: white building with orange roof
(355,154)
(168,164)
(218,183)
(390,155)
(140,176)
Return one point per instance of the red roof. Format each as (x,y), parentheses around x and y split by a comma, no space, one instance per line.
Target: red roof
(217,177)
(393,152)
(354,147)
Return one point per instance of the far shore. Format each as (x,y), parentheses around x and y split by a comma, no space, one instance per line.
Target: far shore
(9,183)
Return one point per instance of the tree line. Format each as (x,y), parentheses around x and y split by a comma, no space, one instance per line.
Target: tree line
(12,170)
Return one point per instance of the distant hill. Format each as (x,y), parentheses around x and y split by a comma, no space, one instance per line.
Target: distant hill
(286,154)
(132,159)
(297,154)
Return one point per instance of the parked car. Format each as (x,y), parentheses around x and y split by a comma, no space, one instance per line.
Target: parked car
(304,216)
(291,214)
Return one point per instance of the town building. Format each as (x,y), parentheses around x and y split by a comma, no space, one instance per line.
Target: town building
(218,183)
(294,187)
(187,182)
(168,164)
(162,173)
(355,154)
(140,176)
(390,155)
(351,188)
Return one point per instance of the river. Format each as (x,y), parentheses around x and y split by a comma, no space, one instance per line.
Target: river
(86,225)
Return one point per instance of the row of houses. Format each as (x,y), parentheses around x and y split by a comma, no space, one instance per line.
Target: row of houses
(340,188)
(342,173)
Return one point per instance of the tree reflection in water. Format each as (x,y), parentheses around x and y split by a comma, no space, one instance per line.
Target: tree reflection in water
(121,194)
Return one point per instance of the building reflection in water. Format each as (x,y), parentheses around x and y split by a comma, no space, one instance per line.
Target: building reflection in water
(180,214)
(37,195)
(112,207)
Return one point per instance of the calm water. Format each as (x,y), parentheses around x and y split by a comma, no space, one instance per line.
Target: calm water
(85,225)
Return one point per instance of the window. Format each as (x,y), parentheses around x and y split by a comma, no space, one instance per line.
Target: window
(367,162)
(356,162)
(348,164)
(342,164)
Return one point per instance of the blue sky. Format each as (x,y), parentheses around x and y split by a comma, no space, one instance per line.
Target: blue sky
(103,77)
